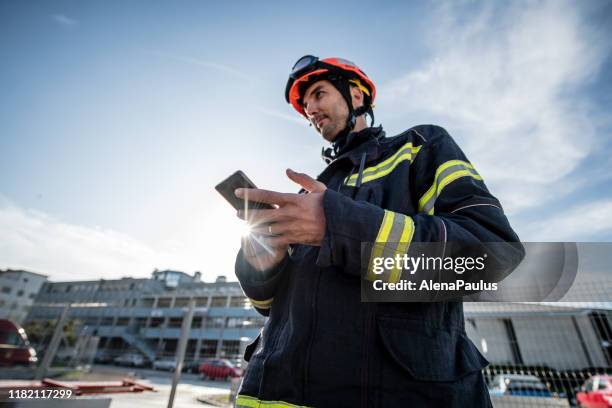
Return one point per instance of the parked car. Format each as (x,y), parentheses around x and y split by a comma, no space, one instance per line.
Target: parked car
(165,364)
(519,385)
(213,368)
(596,392)
(14,345)
(130,359)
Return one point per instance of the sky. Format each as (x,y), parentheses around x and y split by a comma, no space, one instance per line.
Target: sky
(117,119)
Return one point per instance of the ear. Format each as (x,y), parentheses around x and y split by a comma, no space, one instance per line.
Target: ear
(356,96)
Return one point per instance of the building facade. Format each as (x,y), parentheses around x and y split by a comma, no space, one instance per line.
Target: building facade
(18,289)
(146,315)
(558,336)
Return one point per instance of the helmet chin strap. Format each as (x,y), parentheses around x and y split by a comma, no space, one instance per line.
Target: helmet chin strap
(343,86)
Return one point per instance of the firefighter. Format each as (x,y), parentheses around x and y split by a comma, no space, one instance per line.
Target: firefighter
(303,265)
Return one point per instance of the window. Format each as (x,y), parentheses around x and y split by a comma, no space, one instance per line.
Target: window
(233,322)
(20,293)
(181,302)
(218,301)
(201,301)
(230,348)
(32,295)
(6,289)
(208,348)
(239,301)
(107,321)
(25,279)
(156,322)
(175,322)
(164,302)
(123,321)
(215,322)
(147,302)
(196,323)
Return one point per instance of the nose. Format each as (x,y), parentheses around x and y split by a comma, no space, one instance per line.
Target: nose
(310,109)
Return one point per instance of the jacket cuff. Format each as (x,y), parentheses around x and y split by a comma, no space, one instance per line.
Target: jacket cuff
(258,285)
(348,224)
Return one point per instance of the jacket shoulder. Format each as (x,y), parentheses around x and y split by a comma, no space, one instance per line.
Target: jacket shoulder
(420,135)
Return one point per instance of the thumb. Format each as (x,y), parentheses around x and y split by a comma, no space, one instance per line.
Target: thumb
(308,183)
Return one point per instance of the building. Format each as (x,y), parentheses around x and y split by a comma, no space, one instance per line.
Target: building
(18,289)
(146,314)
(559,336)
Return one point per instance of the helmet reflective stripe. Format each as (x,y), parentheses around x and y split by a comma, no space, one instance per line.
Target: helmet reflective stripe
(360,86)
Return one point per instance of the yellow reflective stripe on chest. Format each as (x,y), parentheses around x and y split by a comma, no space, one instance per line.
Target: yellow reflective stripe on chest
(394,237)
(445,174)
(244,401)
(404,153)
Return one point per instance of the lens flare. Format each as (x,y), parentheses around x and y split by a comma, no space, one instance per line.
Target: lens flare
(245,229)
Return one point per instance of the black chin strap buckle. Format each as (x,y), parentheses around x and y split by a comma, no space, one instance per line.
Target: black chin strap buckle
(327,155)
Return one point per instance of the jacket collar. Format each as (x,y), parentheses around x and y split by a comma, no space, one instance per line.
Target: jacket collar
(353,145)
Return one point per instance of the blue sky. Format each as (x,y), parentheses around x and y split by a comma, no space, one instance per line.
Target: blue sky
(118,118)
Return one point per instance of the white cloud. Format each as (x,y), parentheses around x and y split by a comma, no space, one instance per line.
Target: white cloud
(503,80)
(190,238)
(64,20)
(579,223)
(34,241)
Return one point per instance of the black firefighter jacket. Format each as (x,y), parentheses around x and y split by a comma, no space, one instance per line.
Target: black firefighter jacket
(321,346)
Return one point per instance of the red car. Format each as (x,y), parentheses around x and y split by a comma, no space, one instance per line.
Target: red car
(212,368)
(596,392)
(14,345)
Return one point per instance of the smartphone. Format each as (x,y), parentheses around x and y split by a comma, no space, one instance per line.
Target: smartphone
(239,180)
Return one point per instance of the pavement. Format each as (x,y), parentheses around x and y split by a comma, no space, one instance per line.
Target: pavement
(189,389)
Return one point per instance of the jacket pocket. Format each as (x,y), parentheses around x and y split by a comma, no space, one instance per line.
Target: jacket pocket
(428,353)
(251,347)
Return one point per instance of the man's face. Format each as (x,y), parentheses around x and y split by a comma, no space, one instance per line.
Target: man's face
(325,108)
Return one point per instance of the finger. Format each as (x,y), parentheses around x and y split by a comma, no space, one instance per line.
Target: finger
(308,183)
(276,241)
(278,228)
(258,217)
(262,196)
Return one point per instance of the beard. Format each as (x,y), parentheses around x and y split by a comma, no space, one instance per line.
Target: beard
(330,128)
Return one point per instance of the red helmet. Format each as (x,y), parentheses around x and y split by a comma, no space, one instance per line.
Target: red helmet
(309,68)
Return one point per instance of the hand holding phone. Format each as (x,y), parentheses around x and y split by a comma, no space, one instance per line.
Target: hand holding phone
(239,180)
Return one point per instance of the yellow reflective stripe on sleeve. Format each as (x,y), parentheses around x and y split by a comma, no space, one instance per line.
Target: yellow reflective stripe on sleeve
(262,304)
(245,401)
(402,246)
(381,239)
(445,174)
(404,153)
(394,237)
